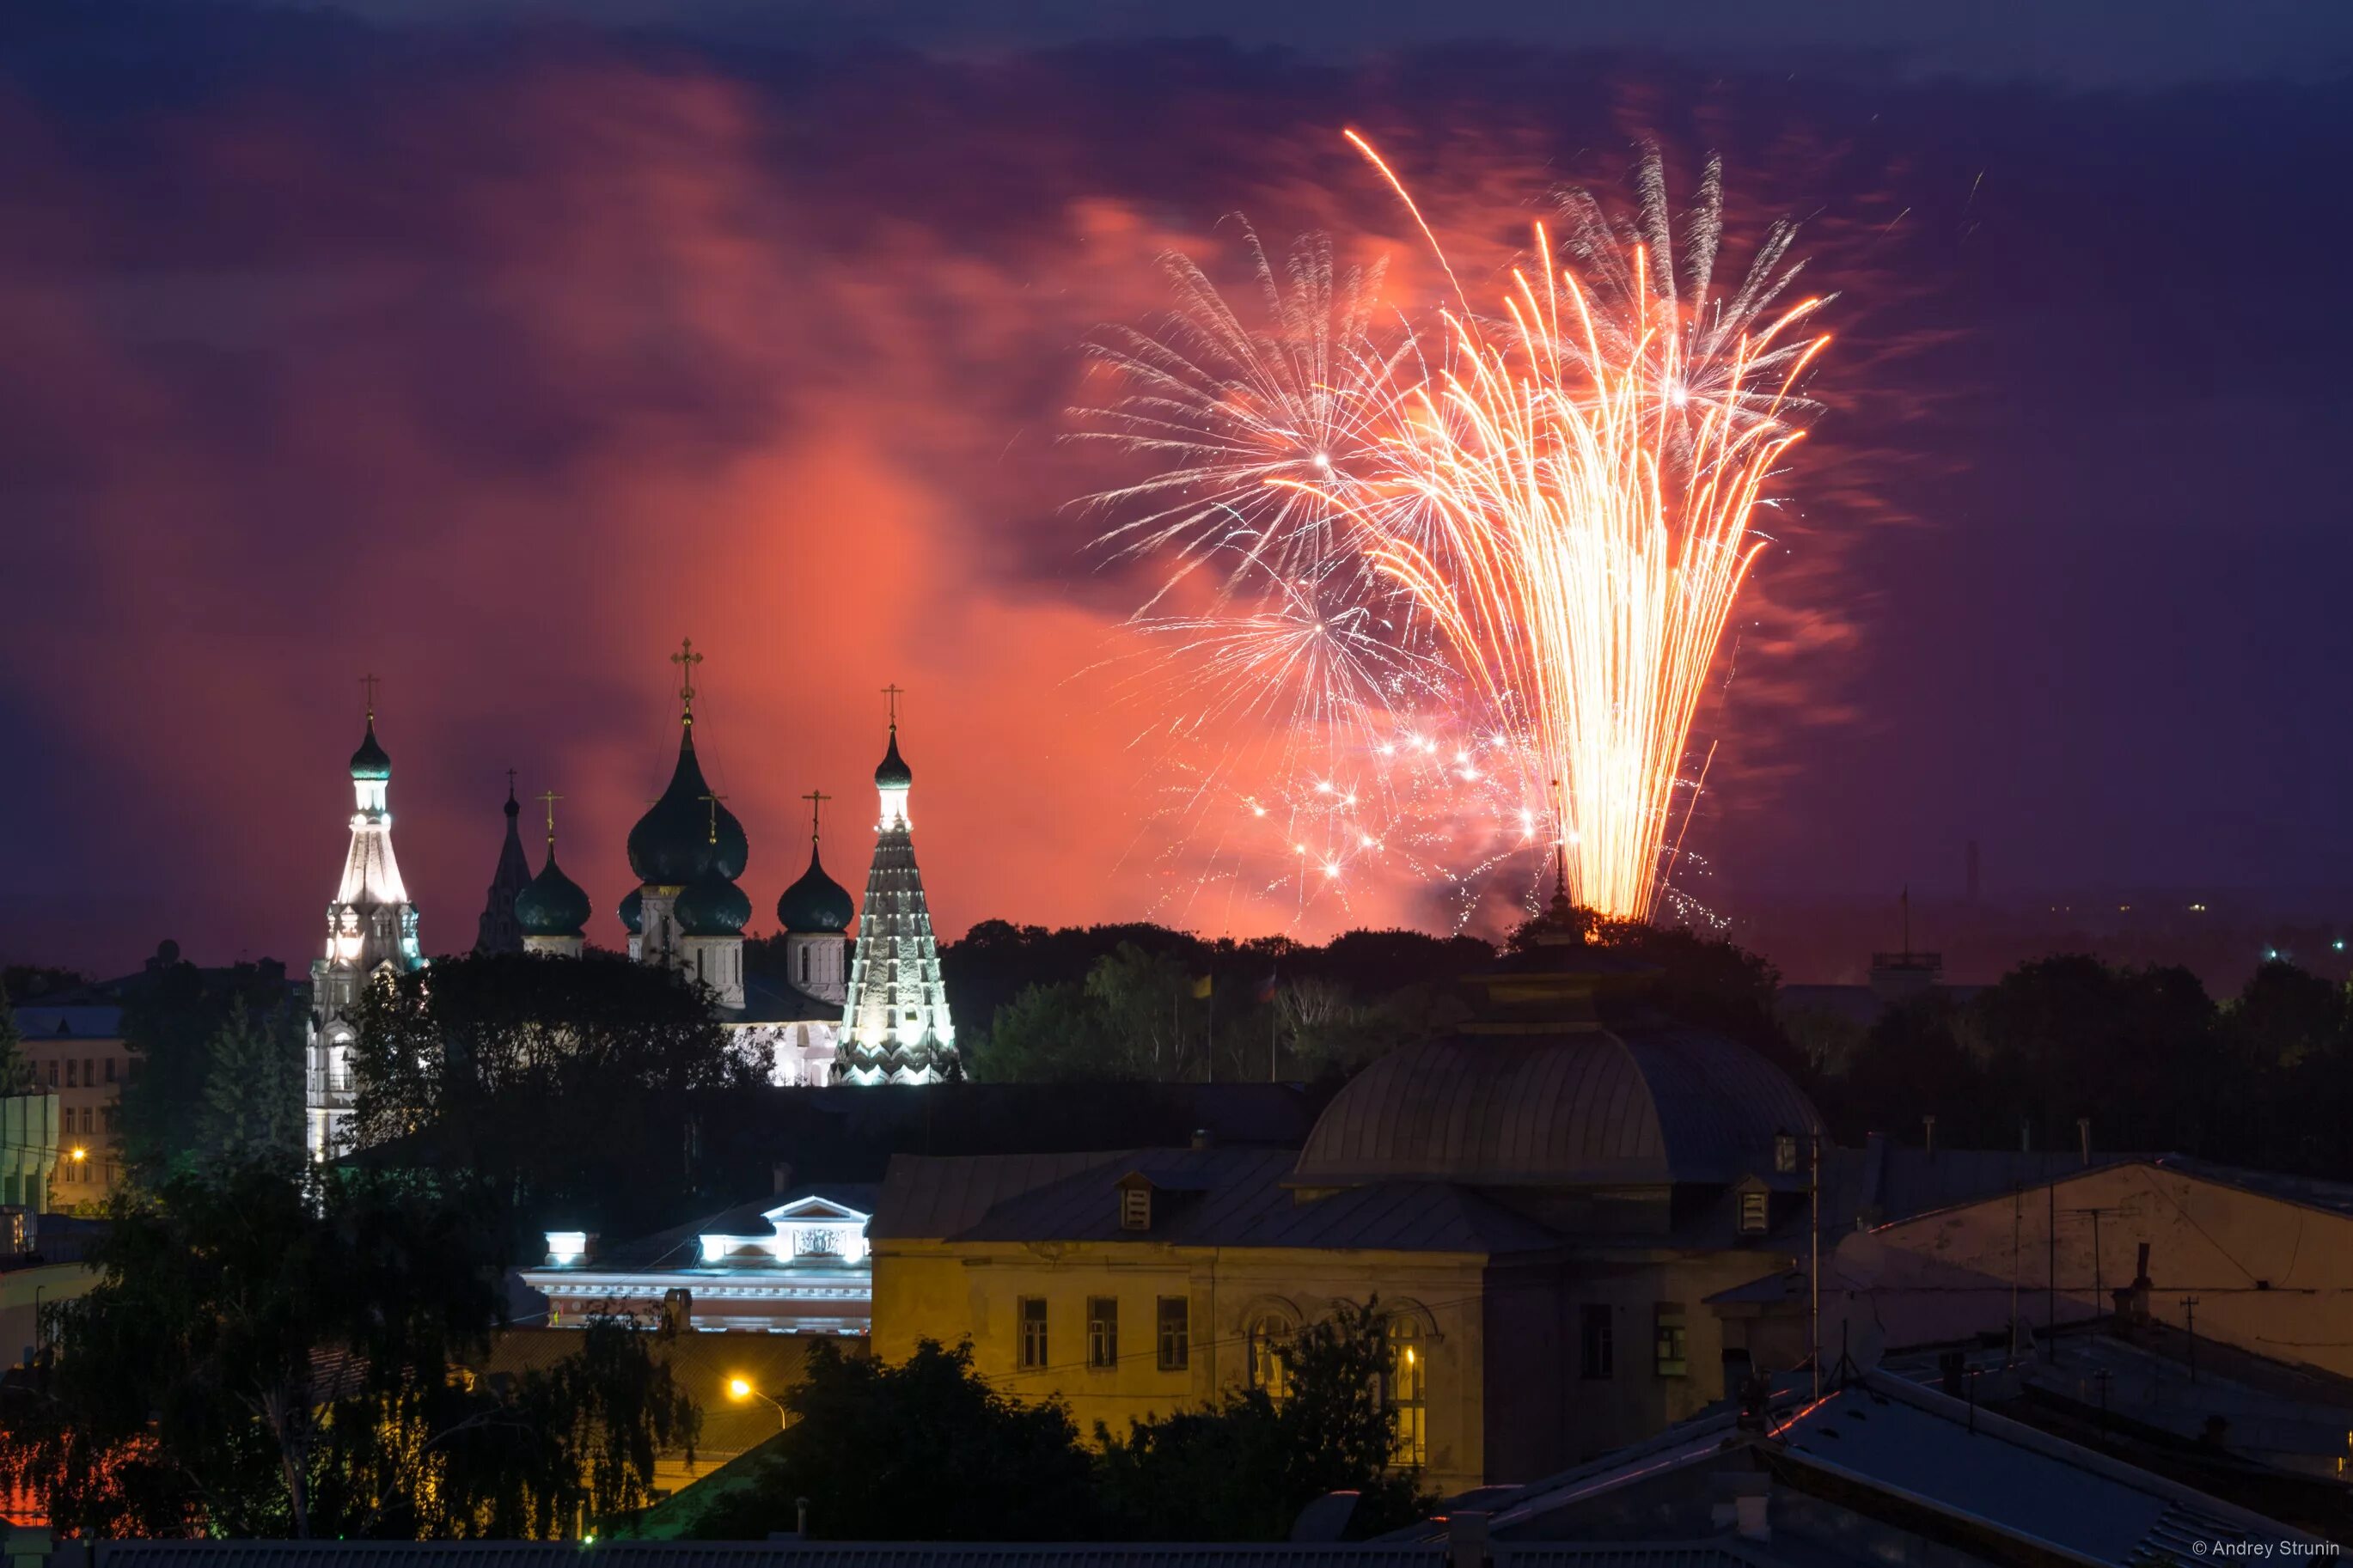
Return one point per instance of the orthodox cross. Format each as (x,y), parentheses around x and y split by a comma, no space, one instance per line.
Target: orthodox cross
(548,798)
(892,693)
(368,683)
(511,779)
(686,659)
(817,799)
(714,800)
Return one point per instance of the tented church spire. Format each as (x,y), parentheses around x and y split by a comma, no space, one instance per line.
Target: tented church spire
(895,1026)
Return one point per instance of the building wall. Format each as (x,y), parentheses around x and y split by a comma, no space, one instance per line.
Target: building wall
(1544,1413)
(950,1291)
(87,1075)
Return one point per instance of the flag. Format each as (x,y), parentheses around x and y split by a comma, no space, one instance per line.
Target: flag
(1267,987)
(1201,986)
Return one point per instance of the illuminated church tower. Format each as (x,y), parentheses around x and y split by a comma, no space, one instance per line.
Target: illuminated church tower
(497,933)
(895,1026)
(371,932)
(686,913)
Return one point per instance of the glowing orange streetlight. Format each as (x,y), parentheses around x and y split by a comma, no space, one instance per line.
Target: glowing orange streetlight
(739,1389)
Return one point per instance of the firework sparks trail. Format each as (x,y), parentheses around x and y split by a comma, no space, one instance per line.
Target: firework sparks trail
(1530,527)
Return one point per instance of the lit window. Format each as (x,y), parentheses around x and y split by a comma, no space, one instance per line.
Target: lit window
(1670,1342)
(1103,1331)
(1176,1335)
(1033,1332)
(1752,1211)
(1270,1339)
(1408,1375)
(1597,1342)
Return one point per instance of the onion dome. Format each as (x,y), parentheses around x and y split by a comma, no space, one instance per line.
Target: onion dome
(553,904)
(633,912)
(687,835)
(893,773)
(714,907)
(370,762)
(816,904)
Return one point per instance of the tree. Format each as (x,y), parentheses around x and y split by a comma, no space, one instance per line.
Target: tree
(171,1018)
(271,1353)
(1242,1468)
(252,1106)
(559,1083)
(925,1450)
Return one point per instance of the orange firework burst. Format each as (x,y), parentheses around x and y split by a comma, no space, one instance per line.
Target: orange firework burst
(1565,491)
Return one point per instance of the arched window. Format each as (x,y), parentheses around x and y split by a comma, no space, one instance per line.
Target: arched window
(1269,1343)
(1408,1391)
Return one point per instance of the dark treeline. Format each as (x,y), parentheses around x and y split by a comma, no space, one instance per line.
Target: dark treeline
(2262,1078)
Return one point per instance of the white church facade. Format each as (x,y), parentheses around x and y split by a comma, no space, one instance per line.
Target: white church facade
(869,1011)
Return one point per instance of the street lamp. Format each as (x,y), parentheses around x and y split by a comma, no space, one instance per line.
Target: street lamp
(739,1390)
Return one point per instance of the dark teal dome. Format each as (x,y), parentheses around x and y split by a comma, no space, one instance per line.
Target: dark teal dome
(370,761)
(684,836)
(893,773)
(816,903)
(633,911)
(553,904)
(714,907)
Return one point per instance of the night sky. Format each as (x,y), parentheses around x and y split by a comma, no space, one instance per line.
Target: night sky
(494,353)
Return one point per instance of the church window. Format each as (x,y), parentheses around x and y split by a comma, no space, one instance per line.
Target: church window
(1672,1342)
(1269,1340)
(1103,1331)
(1409,1392)
(1176,1332)
(805,957)
(1033,1332)
(1597,1342)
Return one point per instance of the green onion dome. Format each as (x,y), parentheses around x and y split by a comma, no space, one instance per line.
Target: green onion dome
(816,903)
(686,835)
(893,773)
(714,907)
(370,761)
(633,912)
(553,904)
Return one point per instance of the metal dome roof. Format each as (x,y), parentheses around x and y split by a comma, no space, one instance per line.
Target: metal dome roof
(816,903)
(553,904)
(712,906)
(370,762)
(1637,1103)
(687,835)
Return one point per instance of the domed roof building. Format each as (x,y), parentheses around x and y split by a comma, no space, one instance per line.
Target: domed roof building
(496,930)
(1565,1077)
(817,904)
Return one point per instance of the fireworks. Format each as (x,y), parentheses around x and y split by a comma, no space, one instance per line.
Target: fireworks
(1535,522)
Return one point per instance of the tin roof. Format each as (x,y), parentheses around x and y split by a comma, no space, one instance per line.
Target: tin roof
(1205,1197)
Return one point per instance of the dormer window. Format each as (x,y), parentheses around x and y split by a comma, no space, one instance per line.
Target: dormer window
(1753,1211)
(1784,1153)
(1135,1204)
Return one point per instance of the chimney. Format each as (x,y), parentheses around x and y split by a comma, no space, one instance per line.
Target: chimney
(1466,1539)
(1928,1129)
(2132,1301)
(2084,1135)
(1201,1138)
